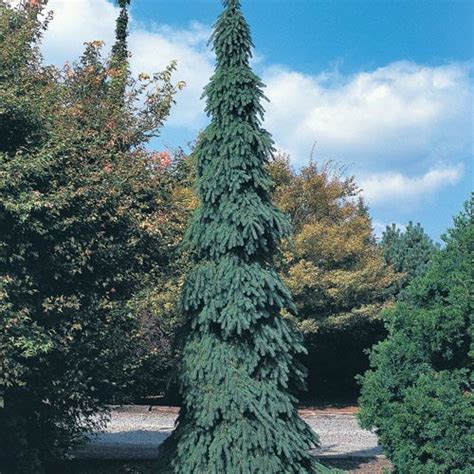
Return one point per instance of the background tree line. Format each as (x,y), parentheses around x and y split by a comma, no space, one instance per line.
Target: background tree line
(340,276)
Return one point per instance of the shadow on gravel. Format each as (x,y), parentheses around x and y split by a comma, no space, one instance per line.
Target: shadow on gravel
(359,465)
(369,453)
(130,445)
(111,466)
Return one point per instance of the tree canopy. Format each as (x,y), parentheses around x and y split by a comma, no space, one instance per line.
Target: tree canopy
(417,394)
(408,251)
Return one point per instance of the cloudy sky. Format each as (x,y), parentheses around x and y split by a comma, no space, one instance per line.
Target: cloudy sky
(384,87)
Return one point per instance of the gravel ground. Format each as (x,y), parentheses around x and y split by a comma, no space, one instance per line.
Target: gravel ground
(353,465)
(135,433)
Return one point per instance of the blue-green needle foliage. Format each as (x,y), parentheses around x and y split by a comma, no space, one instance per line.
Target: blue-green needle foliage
(418,394)
(238,364)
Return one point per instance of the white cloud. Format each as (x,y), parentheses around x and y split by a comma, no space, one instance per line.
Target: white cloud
(153,50)
(396,188)
(374,119)
(74,23)
(403,117)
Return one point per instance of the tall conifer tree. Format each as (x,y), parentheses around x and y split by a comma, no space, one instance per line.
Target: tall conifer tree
(239,362)
(120,49)
(408,251)
(119,58)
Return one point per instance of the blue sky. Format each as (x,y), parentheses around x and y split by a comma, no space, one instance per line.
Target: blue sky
(312,35)
(382,86)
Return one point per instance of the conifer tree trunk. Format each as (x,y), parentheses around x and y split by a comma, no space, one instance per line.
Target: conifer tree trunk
(239,362)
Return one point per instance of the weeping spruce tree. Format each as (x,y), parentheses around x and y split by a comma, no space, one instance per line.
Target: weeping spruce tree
(239,361)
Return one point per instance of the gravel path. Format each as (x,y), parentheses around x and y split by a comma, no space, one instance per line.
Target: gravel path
(134,432)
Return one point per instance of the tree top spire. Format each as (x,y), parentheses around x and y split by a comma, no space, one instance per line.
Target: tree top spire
(231,3)
(119,49)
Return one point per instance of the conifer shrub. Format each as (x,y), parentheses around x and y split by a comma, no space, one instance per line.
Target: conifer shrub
(239,365)
(418,393)
(408,251)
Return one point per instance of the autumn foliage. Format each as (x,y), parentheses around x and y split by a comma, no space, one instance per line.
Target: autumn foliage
(335,271)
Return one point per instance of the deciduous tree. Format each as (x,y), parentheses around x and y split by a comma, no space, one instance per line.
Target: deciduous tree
(84,228)
(335,271)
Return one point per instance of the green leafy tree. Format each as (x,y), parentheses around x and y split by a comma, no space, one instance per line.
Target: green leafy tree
(418,394)
(84,229)
(157,304)
(407,251)
(239,363)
